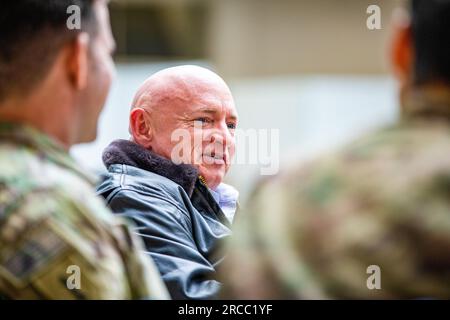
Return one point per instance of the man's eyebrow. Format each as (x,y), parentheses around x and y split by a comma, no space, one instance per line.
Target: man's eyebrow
(214,111)
(206,110)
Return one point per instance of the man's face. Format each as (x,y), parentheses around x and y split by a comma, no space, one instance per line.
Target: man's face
(199,131)
(100,73)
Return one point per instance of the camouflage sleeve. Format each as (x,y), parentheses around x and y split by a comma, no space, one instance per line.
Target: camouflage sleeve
(256,249)
(359,225)
(55,247)
(143,275)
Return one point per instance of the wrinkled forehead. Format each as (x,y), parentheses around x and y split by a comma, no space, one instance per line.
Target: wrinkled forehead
(191,95)
(211,99)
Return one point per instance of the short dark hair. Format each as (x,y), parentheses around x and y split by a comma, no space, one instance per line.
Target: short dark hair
(431,38)
(31,34)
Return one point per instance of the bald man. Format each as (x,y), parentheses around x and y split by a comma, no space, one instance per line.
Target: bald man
(168,177)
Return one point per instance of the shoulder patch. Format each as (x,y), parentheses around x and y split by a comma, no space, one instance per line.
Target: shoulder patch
(41,246)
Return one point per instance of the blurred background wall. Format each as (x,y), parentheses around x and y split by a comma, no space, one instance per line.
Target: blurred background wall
(309,68)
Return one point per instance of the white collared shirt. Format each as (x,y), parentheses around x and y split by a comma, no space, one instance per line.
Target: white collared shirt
(226,196)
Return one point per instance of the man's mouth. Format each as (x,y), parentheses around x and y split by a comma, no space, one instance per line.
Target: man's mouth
(213,158)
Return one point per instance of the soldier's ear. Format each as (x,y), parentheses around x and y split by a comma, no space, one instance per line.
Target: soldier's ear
(140,127)
(402,52)
(77,61)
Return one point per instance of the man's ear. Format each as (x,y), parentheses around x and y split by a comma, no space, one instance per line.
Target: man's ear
(402,52)
(78,61)
(140,127)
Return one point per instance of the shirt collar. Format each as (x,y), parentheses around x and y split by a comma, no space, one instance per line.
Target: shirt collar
(226,197)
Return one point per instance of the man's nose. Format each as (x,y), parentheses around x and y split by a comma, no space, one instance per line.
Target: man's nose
(222,136)
(218,138)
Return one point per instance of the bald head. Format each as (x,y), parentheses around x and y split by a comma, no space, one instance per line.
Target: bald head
(181,84)
(187,98)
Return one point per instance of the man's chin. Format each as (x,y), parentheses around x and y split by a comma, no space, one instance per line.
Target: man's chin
(212,179)
(87,137)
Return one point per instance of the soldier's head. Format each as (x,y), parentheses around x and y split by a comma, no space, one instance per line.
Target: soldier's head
(56,66)
(421,44)
(187,114)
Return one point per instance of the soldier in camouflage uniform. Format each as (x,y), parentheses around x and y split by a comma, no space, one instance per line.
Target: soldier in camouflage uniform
(51,220)
(380,207)
(57,238)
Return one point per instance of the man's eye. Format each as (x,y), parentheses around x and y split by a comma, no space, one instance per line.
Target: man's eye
(202,120)
(231,126)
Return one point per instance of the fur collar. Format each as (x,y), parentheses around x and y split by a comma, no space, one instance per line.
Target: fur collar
(131,154)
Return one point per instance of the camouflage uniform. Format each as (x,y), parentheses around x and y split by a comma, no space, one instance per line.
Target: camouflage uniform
(312,232)
(50,220)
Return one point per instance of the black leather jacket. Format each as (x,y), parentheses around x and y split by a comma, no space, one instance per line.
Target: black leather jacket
(179,220)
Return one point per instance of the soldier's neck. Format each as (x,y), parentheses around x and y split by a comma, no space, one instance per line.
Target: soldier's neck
(430,99)
(43,119)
